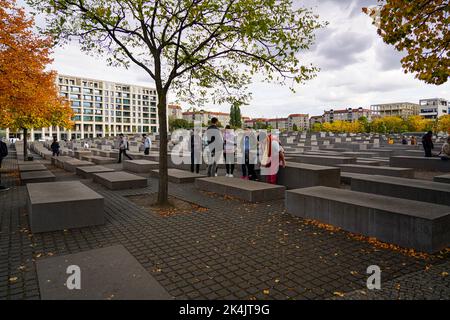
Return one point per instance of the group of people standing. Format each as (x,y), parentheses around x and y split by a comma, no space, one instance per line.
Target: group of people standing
(250,148)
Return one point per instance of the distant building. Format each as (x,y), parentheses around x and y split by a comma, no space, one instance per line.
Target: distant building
(278,123)
(315,119)
(349,114)
(174,111)
(300,120)
(434,108)
(205,116)
(400,109)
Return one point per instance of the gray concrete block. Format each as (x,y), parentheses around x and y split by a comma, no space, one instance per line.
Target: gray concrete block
(445,178)
(322,160)
(36,176)
(302,175)
(63,205)
(248,190)
(421,163)
(178,176)
(384,171)
(87,171)
(119,180)
(71,165)
(110,273)
(32,167)
(411,224)
(413,189)
(140,166)
(102,160)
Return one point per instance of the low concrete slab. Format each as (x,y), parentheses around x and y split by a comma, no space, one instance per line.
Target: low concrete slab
(63,205)
(303,175)
(71,165)
(140,166)
(119,180)
(110,273)
(251,191)
(384,171)
(32,167)
(58,161)
(322,160)
(445,178)
(413,189)
(36,176)
(87,171)
(421,163)
(411,224)
(178,176)
(102,160)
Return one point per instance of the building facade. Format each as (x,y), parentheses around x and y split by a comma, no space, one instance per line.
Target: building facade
(349,114)
(174,111)
(399,109)
(434,108)
(301,121)
(103,108)
(205,117)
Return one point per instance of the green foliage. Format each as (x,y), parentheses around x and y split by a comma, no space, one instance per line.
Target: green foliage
(179,124)
(294,127)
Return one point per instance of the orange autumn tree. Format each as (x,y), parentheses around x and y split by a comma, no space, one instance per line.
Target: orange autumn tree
(28,93)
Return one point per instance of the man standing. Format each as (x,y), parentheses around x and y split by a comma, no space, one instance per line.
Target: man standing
(214,141)
(123,147)
(427,143)
(147,144)
(3,154)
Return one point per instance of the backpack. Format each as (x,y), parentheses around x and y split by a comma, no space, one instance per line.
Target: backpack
(3,150)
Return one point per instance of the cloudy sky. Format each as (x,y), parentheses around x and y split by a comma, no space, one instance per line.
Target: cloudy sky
(357,68)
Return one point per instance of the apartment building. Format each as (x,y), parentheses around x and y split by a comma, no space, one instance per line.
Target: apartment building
(205,116)
(278,123)
(174,110)
(399,109)
(434,108)
(349,114)
(300,120)
(315,119)
(104,108)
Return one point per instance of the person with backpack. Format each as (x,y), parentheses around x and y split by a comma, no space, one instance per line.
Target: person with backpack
(427,143)
(123,147)
(55,147)
(3,154)
(147,144)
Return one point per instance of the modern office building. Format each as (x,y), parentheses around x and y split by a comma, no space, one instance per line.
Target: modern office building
(434,108)
(399,109)
(349,114)
(104,108)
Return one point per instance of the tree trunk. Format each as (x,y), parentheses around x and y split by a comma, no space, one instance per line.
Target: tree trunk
(163,192)
(25,142)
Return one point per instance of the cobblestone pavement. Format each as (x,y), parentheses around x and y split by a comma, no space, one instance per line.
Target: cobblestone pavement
(234,250)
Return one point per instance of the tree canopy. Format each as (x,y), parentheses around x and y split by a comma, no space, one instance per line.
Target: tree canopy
(199,49)
(28,93)
(421,29)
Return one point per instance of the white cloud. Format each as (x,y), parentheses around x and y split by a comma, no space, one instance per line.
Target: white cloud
(358,69)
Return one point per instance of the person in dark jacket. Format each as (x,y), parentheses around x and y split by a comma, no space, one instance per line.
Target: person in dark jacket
(213,136)
(55,147)
(427,143)
(196,151)
(3,154)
